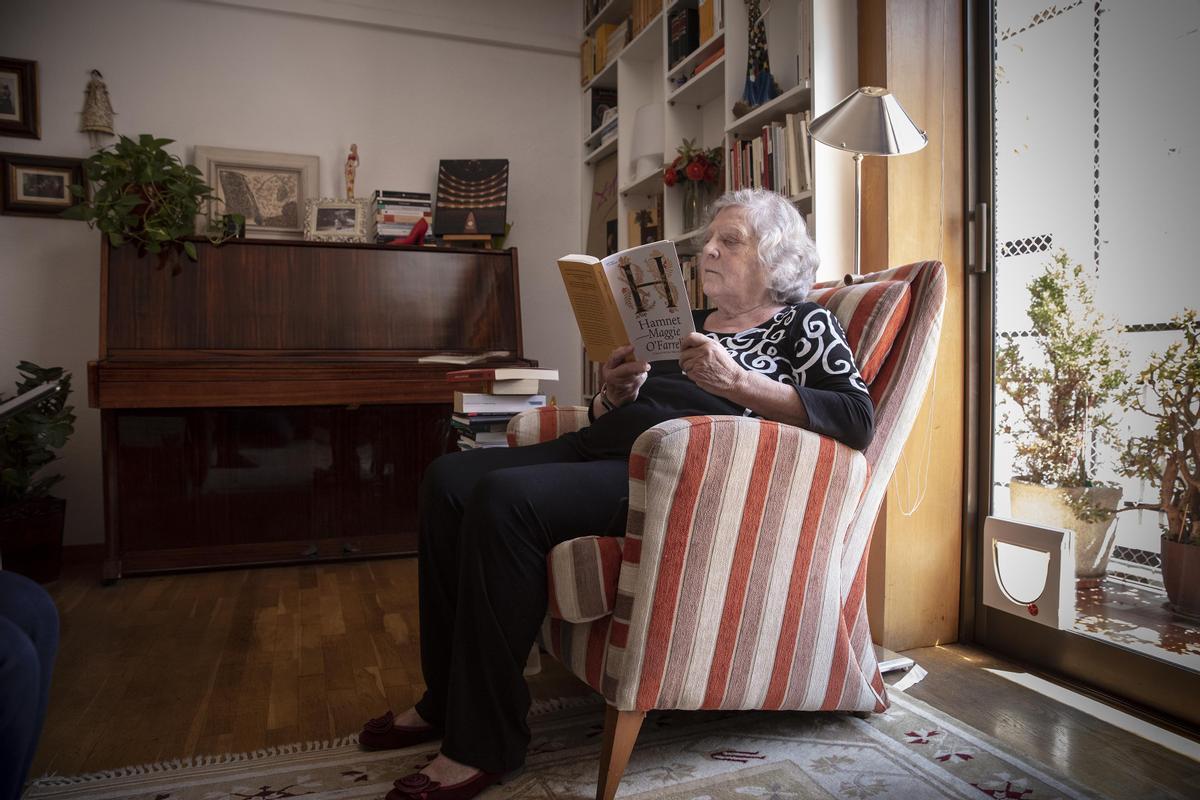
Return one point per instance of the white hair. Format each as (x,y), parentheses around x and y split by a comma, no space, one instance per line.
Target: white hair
(785,251)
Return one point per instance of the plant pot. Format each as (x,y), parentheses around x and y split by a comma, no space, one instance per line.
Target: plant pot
(1181,576)
(1048,505)
(31,538)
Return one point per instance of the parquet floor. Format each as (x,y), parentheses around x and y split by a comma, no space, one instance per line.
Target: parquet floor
(157,668)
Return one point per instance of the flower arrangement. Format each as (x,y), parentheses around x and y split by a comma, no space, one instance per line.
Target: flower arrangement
(695,164)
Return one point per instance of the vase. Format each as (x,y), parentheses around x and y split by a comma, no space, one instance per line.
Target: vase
(1050,506)
(693,204)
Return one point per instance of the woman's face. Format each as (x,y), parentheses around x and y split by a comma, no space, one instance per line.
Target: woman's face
(731,274)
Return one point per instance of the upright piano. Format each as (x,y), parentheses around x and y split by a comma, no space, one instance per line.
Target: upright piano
(267,405)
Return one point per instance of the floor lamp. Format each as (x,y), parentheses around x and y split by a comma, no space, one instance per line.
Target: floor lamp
(869,122)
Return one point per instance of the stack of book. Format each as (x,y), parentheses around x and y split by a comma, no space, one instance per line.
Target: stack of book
(397,213)
(481,418)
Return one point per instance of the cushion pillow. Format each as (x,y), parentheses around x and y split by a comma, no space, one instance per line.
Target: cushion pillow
(583,577)
(871,313)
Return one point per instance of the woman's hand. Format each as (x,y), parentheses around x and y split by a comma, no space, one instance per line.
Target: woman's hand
(709,365)
(622,381)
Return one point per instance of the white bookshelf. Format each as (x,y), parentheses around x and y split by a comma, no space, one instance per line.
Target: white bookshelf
(813,72)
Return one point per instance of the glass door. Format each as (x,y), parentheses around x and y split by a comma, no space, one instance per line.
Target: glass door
(1088,156)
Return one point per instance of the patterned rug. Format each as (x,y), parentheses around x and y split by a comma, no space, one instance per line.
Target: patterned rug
(911,752)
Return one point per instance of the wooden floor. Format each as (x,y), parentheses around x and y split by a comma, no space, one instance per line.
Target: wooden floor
(153,669)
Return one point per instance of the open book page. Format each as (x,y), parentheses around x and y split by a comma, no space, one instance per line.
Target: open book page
(600,324)
(647,285)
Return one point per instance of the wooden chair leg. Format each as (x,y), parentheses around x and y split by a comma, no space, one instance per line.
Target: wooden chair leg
(620,732)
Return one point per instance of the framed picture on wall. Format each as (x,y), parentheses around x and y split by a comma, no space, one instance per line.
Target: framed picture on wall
(19,98)
(472,197)
(38,186)
(269,189)
(331,220)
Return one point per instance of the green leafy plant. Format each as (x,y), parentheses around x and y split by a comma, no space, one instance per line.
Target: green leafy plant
(145,196)
(1062,395)
(1168,391)
(29,438)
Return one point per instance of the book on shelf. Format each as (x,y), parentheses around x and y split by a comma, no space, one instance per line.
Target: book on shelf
(388,195)
(632,296)
(477,402)
(683,35)
(704,11)
(599,100)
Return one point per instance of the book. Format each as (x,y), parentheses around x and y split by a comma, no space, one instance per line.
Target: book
(461,358)
(633,296)
(387,195)
(503,374)
(472,402)
(480,421)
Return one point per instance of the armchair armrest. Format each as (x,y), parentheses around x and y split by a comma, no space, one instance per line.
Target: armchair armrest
(728,595)
(543,424)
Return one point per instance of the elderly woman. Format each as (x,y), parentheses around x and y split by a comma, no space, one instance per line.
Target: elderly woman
(489,517)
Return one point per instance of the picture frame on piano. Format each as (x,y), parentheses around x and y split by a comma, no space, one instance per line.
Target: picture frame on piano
(333,220)
(269,189)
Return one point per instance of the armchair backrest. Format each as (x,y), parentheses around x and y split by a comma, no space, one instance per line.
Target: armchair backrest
(898,389)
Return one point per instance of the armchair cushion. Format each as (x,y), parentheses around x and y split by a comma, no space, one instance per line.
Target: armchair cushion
(546,423)
(582,577)
(871,314)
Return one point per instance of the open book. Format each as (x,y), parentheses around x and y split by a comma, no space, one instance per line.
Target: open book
(636,295)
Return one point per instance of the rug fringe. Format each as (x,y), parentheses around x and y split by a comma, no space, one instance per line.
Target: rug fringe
(195,761)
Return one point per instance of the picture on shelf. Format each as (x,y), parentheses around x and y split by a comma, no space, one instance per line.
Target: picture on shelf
(39,186)
(269,189)
(19,98)
(472,197)
(336,220)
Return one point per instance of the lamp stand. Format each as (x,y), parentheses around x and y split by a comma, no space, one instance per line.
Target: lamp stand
(858,158)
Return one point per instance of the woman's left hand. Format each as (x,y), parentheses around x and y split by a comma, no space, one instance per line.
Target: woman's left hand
(709,366)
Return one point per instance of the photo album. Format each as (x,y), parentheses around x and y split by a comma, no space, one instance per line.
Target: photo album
(633,296)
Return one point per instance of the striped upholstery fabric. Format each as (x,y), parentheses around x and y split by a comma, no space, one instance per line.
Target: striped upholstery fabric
(743,573)
(544,424)
(871,314)
(583,577)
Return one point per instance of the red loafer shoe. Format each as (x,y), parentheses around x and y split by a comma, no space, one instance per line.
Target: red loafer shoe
(418,786)
(381,733)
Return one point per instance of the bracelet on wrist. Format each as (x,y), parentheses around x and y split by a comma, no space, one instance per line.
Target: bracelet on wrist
(609,405)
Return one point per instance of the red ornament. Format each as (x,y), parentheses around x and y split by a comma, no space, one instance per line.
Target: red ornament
(1033,609)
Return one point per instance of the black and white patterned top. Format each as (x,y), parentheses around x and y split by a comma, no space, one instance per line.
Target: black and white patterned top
(803,346)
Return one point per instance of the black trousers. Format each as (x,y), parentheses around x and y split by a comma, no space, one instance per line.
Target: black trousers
(488,518)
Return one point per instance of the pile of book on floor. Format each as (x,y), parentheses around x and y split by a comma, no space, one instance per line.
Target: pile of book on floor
(481,418)
(398,213)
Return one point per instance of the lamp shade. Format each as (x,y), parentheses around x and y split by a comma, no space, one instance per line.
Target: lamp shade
(869,121)
(647,146)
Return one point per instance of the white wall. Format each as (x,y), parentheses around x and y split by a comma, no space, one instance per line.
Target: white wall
(409,90)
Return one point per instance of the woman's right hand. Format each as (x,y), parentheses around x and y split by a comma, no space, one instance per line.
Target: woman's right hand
(623,380)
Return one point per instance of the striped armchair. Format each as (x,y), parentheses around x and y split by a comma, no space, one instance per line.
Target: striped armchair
(740,582)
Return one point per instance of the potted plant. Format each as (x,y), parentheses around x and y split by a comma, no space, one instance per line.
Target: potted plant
(1168,391)
(1061,423)
(145,196)
(31,521)
(698,169)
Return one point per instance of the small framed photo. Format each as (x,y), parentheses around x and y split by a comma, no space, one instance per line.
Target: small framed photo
(269,189)
(331,220)
(19,99)
(38,186)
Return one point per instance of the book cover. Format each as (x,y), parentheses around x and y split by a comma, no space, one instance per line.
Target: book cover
(634,296)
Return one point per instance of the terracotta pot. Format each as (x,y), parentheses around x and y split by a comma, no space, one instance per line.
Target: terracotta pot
(1047,505)
(1181,576)
(31,538)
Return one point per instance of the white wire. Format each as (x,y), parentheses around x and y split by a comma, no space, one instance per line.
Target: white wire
(906,508)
